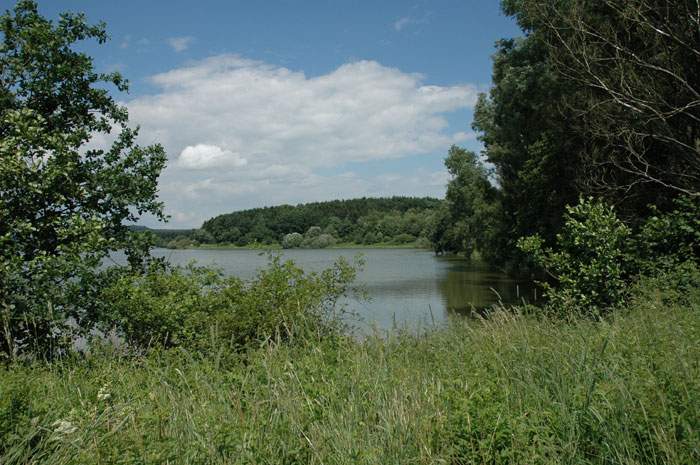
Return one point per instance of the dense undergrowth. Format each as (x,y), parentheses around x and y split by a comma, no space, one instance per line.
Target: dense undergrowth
(513,389)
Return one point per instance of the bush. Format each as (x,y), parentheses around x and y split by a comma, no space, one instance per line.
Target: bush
(403,238)
(313,231)
(668,239)
(194,307)
(589,264)
(319,242)
(180,242)
(675,286)
(292,240)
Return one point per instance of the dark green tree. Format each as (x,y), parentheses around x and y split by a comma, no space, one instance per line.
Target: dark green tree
(530,138)
(472,208)
(636,68)
(63,205)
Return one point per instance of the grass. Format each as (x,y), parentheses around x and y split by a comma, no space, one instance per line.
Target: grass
(514,389)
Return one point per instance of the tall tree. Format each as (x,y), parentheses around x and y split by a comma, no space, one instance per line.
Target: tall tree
(639,63)
(63,205)
(635,67)
(466,222)
(529,137)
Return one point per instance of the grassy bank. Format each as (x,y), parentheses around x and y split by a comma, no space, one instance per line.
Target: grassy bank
(514,389)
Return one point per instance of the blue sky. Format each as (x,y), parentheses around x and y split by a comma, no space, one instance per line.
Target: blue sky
(268,102)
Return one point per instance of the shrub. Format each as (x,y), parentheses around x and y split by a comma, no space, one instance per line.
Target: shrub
(674,286)
(589,263)
(313,231)
(403,238)
(319,242)
(194,307)
(292,240)
(668,239)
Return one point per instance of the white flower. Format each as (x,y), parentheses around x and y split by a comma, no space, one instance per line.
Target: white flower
(64,427)
(103,393)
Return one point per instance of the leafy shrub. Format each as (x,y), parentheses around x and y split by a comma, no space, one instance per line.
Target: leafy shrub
(673,286)
(194,306)
(292,240)
(371,238)
(313,231)
(319,242)
(668,239)
(589,263)
(180,242)
(403,238)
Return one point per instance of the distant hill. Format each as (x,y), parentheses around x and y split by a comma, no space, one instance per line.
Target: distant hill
(361,221)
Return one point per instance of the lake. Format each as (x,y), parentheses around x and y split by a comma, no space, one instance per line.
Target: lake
(406,287)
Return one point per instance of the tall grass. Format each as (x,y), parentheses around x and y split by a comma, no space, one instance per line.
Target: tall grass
(513,389)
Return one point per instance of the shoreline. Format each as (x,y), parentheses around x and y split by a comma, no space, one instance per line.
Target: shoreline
(344,245)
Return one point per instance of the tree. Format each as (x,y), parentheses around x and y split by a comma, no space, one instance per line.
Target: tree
(636,68)
(530,139)
(292,240)
(472,207)
(63,205)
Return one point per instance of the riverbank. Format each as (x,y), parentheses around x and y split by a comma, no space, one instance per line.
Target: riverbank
(514,389)
(343,245)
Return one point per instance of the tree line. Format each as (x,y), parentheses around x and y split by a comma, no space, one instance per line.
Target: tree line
(392,220)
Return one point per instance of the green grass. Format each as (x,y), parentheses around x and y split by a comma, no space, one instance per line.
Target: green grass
(513,389)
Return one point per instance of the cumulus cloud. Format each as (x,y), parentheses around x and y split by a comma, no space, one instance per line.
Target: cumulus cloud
(202,156)
(266,114)
(180,44)
(245,133)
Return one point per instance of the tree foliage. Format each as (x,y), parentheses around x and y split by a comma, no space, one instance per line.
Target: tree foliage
(589,262)
(63,204)
(636,68)
(465,224)
(596,98)
(365,220)
(530,142)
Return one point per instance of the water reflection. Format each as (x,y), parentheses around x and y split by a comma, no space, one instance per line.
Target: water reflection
(470,287)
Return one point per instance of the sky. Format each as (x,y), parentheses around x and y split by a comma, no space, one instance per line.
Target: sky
(261,103)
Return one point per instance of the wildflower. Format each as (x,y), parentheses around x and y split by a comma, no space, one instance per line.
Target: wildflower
(64,427)
(103,393)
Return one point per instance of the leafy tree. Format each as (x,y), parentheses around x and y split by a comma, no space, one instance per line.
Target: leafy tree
(63,205)
(471,204)
(635,66)
(347,220)
(292,240)
(312,232)
(530,139)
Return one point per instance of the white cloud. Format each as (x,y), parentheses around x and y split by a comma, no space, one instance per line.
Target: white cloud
(244,133)
(180,44)
(270,115)
(202,156)
(401,23)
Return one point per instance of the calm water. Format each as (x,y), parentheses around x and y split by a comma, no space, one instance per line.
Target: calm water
(406,287)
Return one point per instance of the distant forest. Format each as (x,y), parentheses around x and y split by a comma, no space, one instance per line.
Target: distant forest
(393,221)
